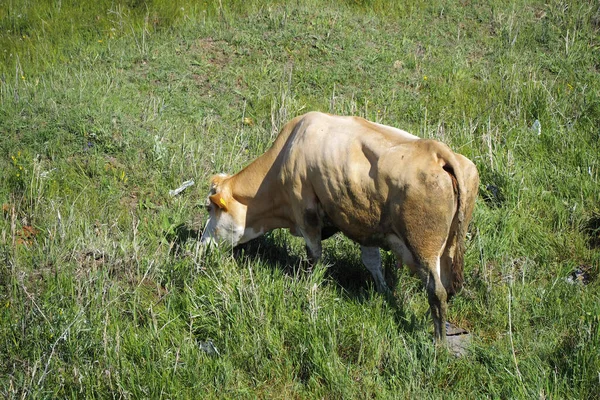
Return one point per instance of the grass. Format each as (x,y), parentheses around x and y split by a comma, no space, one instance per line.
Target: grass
(106,106)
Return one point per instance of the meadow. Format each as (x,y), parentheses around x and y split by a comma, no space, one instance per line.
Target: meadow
(106,106)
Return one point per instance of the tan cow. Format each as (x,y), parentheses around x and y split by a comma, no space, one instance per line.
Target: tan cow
(381,186)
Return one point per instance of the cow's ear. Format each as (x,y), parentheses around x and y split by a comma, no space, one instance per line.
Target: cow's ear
(216,180)
(219,201)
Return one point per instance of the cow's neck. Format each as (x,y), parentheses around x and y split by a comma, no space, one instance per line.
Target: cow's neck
(257,186)
(260,178)
(255,181)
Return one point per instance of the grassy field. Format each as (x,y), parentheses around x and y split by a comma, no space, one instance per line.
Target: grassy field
(105,106)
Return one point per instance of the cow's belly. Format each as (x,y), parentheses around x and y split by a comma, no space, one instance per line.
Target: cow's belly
(374,240)
(364,228)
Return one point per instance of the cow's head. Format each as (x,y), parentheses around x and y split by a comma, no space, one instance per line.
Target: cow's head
(227,216)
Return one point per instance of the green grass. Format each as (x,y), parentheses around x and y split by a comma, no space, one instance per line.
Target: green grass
(105,106)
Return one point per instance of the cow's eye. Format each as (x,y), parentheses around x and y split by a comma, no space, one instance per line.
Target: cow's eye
(207,207)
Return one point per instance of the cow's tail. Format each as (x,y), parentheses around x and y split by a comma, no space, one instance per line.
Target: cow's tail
(460,222)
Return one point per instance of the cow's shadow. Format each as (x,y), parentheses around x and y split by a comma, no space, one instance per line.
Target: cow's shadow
(344,269)
(179,235)
(277,256)
(351,279)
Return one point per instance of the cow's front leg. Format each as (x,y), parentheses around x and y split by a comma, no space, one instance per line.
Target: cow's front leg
(371,258)
(311,232)
(313,249)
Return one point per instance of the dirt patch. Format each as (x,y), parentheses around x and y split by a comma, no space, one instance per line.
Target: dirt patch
(118,269)
(130,202)
(215,52)
(93,260)
(582,275)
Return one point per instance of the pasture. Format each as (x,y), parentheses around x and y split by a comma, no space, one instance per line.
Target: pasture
(107,106)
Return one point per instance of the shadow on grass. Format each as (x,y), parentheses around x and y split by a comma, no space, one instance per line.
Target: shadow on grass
(275,255)
(347,271)
(353,280)
(179,236)
(591,228)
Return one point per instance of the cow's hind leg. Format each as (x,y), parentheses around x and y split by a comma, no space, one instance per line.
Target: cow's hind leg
(437,296)
(371,258)
(429,272)
(428,269)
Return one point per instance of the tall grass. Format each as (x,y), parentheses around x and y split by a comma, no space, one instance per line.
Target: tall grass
(105,106)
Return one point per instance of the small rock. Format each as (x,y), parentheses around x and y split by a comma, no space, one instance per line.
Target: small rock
(537,127)
(209,348)
(457,339)
(181,188)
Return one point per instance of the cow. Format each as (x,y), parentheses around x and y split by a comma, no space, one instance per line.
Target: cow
(380,186)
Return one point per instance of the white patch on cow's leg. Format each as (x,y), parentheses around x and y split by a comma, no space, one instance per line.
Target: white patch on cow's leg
(446,261)
(400,249)
(371,258)
(446,271)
